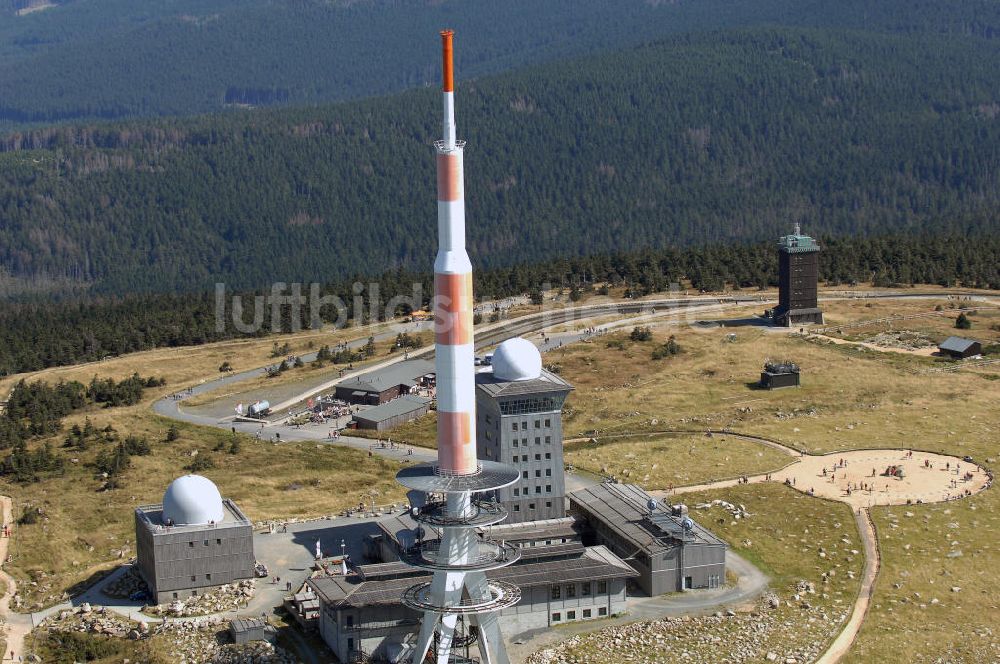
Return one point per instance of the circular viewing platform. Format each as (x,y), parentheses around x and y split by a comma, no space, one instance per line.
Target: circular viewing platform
(429,478)
(485,555)
(503,595)
(482,513)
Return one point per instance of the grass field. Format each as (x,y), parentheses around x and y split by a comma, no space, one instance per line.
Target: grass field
(848,399)
(927,550)
(658,461)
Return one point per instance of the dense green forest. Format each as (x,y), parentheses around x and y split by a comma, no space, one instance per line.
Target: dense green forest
(35,336)
(122,58)
(723,137)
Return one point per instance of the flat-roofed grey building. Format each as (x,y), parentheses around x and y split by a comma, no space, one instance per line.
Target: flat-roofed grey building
(393,413)
(361,614)
(670,552)
(193,541)
(519,422)
(385,384)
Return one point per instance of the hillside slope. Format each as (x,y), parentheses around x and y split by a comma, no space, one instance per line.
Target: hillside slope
(120,58)
(709,138)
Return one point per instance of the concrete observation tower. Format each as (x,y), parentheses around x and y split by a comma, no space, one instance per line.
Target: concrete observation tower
(460,605)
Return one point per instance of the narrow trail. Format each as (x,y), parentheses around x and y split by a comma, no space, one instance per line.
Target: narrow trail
(17,625)
(873,563)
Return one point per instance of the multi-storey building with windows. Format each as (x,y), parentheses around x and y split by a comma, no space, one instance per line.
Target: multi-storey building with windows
(519,422)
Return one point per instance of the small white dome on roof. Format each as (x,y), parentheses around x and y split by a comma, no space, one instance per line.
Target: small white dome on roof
(517,359)
(192,500)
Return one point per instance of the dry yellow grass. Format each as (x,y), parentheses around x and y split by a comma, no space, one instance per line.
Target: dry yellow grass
(659,461)
(848,399)
(190,365)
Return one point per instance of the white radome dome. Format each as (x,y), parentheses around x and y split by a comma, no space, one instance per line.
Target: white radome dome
(192,500)
(517,359)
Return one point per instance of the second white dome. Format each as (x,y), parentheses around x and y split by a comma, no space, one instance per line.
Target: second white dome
(517,359)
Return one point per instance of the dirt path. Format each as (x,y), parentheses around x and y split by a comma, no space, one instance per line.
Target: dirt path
(846,638)
(930,351)
(17,625)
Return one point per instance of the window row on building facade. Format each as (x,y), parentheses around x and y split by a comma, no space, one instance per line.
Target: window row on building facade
(524,424)
(569,590)
(557,616)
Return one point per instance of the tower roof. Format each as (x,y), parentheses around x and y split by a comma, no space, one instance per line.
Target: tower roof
(797,242)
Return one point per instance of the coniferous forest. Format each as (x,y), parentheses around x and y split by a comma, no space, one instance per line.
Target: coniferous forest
(81,59)
(646,143)
(711,138)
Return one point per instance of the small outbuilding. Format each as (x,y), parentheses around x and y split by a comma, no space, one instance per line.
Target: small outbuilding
(244,630)
(779,374)
(960,348)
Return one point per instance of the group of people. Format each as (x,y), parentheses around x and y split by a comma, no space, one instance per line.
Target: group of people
(183,394)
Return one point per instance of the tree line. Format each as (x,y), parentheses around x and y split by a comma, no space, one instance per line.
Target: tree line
(38,335)
(36,409)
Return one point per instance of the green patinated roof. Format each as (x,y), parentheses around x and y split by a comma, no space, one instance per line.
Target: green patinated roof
(797,243)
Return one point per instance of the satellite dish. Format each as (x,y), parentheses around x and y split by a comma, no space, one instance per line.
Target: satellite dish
(414,512)
(687,523)
(651,505)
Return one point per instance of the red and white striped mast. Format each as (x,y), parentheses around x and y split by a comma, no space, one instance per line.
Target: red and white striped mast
(454,349)
(458,557)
